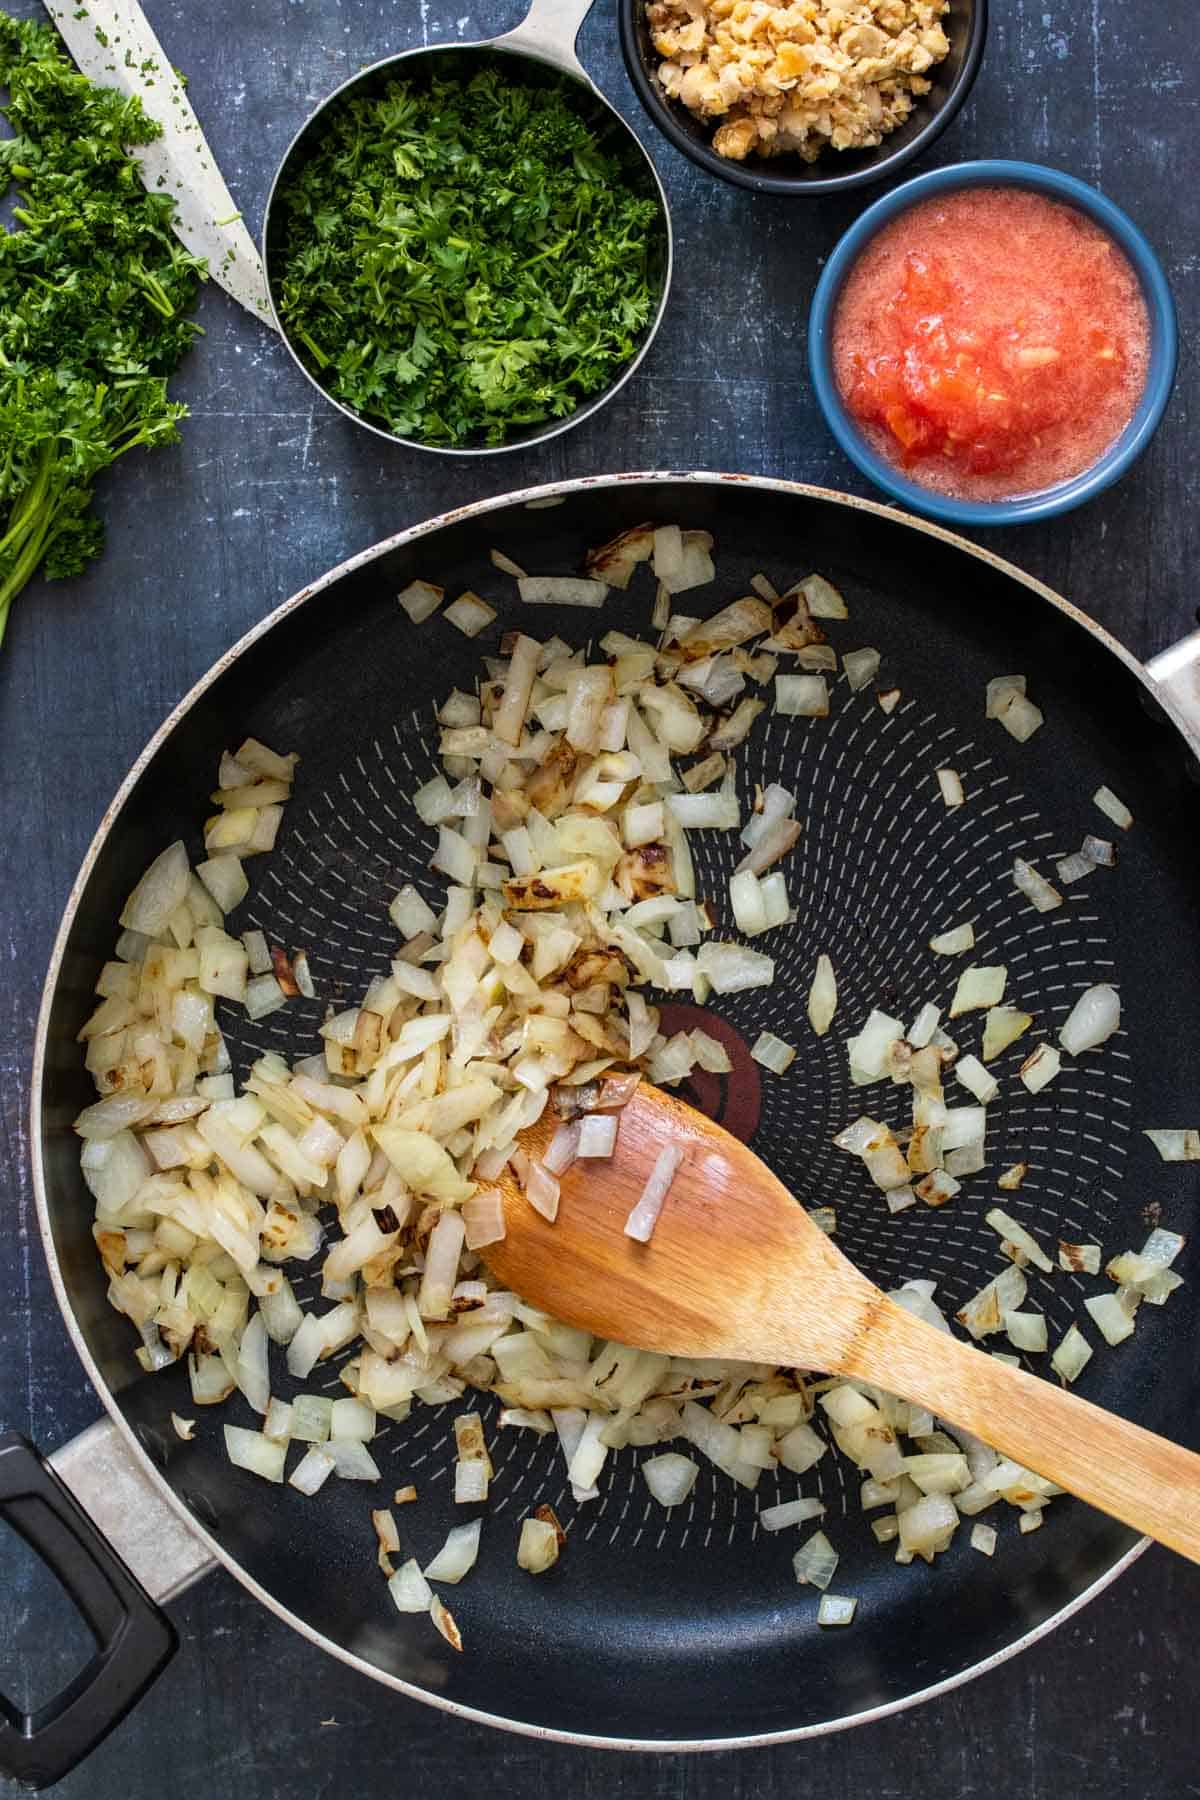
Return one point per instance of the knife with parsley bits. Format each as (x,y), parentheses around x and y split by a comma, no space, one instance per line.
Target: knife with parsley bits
(457,260)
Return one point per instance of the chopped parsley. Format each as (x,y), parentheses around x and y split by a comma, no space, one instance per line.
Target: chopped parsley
(456,260)
(94,292)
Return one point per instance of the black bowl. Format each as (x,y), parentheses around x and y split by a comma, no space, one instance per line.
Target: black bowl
(835,171)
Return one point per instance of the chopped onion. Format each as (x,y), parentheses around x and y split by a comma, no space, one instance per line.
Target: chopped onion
(278,1423)
(983,1539)
(410,914)
(162,889)
(351,1420)
(731,969)
(1092,1020)
(1073,868)
(1021,718)
(775,804)
(1099,852)
(537,1547)
(773,1053)
(869,1050)
(541,1191)
(1040,893)
(984,1312)
(978,986)
(963,1125)
(1015,1233)
(1176,1146)
(816,1561)
(968,1160)
(562,1149)
(681,559)
(251,1450)
(1112,1319)
(409,1589)
(823,600)
(281,1313)
(420,600)
(1040,1068)
(264,996)
(561,826)
(1081,1259)
(927,1526)
(183,1428)
(746,900)
(802,696)
(509,716)
(790,1512)
(1001,692)
(888,699)
(254,1375)
(938,1187)
(471,1480)
(1112,808)
(225,879)
(709,812)
(1026,1330)
(953,943)
(642,1220)
(589,1455)
(441,1265)
(976,1079)
(442,1617)
(312,1471)
(774,842)
(311,1418)
(822,996)
(859,1136)
(920,1032)
(861,666)
(258,952)
(597,1134)
(670,1477)
(1002,1027)
(1072,1354)
(950,784)
(470,614)
(458,1555)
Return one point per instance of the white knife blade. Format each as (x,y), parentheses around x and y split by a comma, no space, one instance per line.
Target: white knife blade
(113,44)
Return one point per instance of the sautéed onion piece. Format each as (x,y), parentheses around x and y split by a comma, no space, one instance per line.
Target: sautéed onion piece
(564,888)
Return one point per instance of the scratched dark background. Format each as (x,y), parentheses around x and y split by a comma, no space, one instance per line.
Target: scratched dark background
(270,488)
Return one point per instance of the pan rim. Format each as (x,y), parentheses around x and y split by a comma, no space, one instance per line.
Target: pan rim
(362,559)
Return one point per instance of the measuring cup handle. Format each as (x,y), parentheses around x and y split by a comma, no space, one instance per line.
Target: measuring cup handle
(548,31)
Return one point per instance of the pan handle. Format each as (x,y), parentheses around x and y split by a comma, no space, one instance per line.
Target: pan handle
(134,1638)
(548,31)
(1176,672)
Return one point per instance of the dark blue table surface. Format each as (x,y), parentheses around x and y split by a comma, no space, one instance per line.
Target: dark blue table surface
(270,488)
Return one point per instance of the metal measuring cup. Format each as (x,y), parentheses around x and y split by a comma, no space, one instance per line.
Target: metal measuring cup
(543,47)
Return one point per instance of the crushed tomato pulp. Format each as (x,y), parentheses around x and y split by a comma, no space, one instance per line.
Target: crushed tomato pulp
(992,343)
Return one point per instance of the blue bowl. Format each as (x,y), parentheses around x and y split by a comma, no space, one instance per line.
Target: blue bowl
(1049,502)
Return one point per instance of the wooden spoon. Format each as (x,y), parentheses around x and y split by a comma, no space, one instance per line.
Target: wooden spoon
(735,1268)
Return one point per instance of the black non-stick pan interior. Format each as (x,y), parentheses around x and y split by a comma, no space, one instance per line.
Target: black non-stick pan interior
(689,1625)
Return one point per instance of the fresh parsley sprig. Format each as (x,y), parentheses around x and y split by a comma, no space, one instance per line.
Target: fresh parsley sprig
(94,293)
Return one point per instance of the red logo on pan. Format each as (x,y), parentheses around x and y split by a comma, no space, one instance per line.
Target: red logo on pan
(733,1100)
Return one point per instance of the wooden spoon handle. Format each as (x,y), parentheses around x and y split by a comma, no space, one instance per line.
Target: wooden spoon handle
(1143,1480)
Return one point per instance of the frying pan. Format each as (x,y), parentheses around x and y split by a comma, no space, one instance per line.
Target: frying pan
(680,1630)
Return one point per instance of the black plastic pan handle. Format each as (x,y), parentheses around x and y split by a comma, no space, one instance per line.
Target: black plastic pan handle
(134,1638)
